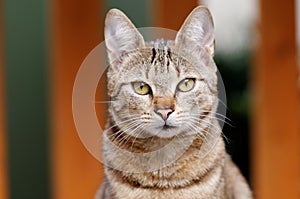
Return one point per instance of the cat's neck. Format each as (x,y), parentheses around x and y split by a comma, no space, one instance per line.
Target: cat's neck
(191,167)
(153,153)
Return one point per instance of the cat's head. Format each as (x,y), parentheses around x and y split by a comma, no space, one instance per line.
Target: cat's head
(162,88)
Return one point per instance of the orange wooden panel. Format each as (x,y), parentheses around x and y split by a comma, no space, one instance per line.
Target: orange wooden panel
(172,13)
(3,151)
(76,29)
(276,104)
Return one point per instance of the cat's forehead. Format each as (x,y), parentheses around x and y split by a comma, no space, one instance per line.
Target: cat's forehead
(165,53)
(163,64)
(159,63)
(160,56)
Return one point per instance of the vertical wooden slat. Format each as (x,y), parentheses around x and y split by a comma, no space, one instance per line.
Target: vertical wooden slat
(140,12)
(26,98)
(3,151)
(76,29)
(276,104)
(171,13)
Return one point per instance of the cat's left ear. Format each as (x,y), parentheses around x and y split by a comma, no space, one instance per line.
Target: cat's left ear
(197,32)
(121,37)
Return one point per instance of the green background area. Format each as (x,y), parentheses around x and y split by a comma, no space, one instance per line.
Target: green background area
(26,72)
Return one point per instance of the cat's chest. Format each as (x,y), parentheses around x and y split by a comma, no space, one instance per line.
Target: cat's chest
(141,186)
(197,191)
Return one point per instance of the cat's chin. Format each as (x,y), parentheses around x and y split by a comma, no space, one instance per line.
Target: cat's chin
(167,131)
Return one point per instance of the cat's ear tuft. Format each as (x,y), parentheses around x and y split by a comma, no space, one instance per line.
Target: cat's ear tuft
(197,32)
(121,37)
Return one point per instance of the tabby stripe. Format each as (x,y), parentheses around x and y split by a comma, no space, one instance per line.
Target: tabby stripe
(153,55)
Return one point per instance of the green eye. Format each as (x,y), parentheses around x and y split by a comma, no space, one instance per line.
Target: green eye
(186,85)
(141,88)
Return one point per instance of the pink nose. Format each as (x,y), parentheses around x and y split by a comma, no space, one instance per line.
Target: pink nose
(164,113)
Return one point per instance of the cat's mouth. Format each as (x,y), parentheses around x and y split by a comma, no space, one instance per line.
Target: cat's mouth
(167,131)
(168,127)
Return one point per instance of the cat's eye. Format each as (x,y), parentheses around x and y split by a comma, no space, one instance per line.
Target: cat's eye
(141,88)
(186,85)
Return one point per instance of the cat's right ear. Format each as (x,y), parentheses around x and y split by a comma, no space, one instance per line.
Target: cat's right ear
(121,37)
(197,32)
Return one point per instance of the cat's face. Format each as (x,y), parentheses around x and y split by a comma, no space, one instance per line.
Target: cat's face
(163,88)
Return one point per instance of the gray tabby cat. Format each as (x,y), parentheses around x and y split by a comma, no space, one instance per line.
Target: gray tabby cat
(163,139)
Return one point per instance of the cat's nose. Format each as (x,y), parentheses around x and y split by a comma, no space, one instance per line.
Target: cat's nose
(164,113)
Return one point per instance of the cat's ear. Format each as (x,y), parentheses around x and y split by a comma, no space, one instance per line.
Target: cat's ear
(197,32)
(121,37)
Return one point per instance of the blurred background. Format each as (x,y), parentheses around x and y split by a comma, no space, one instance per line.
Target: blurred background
(43,43)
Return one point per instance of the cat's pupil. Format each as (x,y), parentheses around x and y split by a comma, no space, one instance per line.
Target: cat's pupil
(186,82)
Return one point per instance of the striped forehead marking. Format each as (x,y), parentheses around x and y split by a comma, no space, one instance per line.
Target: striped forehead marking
(161,53)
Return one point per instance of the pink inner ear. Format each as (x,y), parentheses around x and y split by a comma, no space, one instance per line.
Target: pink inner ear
(118,60)
(205,54)
(208,50)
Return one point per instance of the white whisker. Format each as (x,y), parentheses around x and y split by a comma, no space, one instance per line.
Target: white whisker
(217,128)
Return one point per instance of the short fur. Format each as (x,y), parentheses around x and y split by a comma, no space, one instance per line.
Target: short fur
(183,156)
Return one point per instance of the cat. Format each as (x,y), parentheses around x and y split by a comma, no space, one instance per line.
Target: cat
(162,138)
